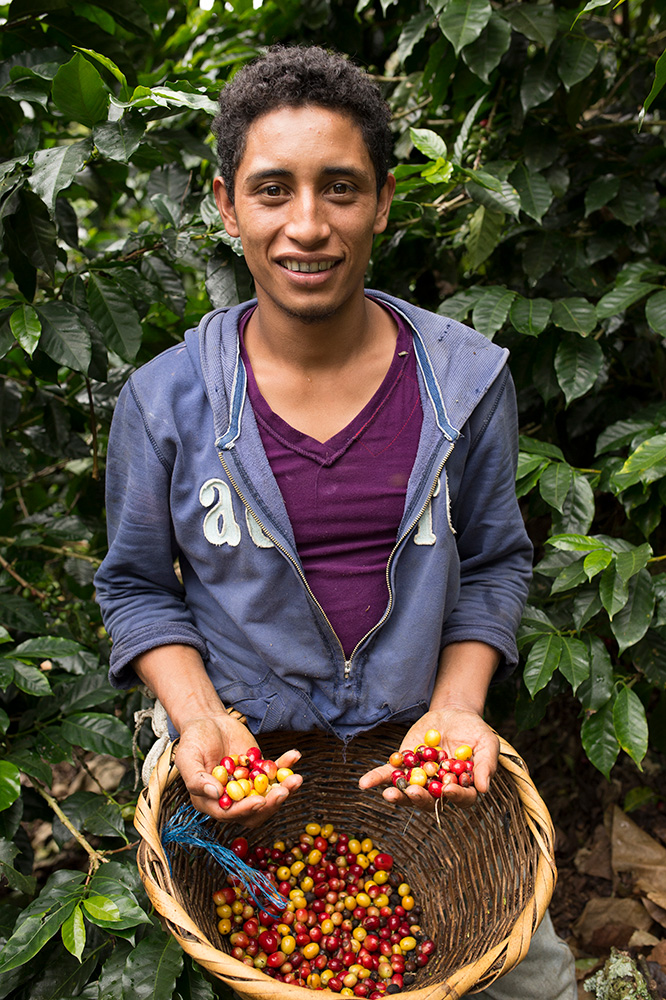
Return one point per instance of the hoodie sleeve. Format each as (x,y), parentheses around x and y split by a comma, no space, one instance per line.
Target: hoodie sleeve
(495,551)
(142,601)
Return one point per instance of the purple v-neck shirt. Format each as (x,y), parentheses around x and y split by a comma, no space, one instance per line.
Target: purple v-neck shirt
(345,497)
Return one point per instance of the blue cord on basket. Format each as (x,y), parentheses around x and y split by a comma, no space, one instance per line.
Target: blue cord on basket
(190,828)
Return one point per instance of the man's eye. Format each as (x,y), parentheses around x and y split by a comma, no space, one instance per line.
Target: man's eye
(340,187)
(272,190)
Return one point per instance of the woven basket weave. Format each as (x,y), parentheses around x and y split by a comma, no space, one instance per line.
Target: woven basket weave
(483,877)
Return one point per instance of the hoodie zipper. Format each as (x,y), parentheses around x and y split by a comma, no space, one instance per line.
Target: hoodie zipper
(301,574)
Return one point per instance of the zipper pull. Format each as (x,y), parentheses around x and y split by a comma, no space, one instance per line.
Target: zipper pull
(347,669)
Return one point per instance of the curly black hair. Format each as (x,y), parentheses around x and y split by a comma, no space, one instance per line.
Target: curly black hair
(295,77)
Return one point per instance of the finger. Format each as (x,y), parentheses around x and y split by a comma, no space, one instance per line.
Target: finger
(377,776)
(289,758)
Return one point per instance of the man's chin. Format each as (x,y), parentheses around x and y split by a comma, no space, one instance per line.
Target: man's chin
(311,314)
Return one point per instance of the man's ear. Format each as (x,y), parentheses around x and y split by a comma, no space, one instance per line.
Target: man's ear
(384,204)
(225,207)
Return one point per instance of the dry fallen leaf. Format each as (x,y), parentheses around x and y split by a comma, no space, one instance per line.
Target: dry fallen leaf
(609,921)
(639,854)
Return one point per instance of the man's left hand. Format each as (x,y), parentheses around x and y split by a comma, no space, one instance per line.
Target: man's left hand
(456,725)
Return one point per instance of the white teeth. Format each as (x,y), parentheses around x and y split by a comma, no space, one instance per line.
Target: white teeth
(309,267)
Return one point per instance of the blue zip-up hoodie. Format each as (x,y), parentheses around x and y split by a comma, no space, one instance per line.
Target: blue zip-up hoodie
(188,483)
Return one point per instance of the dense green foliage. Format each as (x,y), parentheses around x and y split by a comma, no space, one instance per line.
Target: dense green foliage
(530,204)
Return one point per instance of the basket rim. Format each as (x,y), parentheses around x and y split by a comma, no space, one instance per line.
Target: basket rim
(255,983)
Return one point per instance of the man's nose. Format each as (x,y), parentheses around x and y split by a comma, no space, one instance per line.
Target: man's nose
(308,222)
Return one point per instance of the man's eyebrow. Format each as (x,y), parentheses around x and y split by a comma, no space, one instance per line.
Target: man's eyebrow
(344,170)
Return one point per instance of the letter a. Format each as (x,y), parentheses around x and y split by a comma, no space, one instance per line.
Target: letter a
(219,525)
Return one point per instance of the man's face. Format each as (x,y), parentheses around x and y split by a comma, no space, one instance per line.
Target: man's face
(306,209)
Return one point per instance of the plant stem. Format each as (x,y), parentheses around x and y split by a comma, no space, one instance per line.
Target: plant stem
(96,858)
(19,579)
(56,551)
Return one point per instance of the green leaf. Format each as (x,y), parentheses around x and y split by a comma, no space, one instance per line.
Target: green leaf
(111,975)
(630,724)
(36,233)
(25,326)
(540,254)
(632,562)
(530,316)
(45,648)
(73,932)
(485,54)
(645,464)
(657,86)
(600,192)
(534,191)
(555,483)
(574,662)
(118,140)
(504,200)
(101,908)
(577,59)
(115,315)
(79,92)
(578,510)
(540,81)
(596,562)
(485,231)
(428,143)
(112,68)
(412,32)
(153,967)
(491,310)
(4,719)
(613,590)
(599,739)
(42,918)
(31,680)
(542,662)
(462,21)
(91,812)
(655,312)
(10,784)
(536,21)
(535,447)
(576,315)
(621,297)
(27,760)
(99,732)
(573,542)
(56,168)
(632,621)
(25,884)
(571,576)
(527,464)
(598,688)
(578,363)
(64,337)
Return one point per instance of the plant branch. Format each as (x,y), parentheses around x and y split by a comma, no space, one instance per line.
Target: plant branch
(19,579)
(93,430)
(96,857)
(56,551)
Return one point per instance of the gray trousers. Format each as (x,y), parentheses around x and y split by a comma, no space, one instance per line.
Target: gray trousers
(546,973)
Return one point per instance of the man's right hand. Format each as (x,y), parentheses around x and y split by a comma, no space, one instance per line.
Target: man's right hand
(203,743)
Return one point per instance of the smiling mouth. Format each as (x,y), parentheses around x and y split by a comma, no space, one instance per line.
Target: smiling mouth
(308,267)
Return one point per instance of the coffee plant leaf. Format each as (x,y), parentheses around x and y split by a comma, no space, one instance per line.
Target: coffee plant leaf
(599,740)
(574,662)
(153,967)
(10,784)
(596,690)
(630,724)
(462,21)
(73,933)
(542,662)
(79,91)
(632,621)
(98,732)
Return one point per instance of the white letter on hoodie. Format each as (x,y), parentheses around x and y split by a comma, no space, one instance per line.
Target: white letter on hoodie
(219,525)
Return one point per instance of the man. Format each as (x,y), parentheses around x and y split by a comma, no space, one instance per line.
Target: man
(332,469)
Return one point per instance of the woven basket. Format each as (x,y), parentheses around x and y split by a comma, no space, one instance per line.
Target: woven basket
(483,877)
